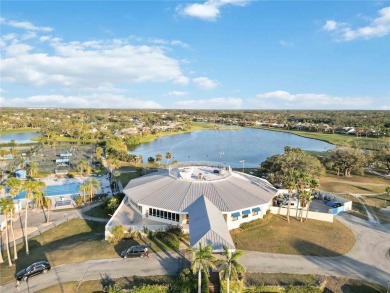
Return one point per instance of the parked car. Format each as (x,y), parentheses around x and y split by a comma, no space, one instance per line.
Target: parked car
(136,250)
(41,267)
(337,205)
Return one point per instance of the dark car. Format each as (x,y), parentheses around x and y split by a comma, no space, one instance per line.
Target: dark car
(136,250)
(32,270)
(336,205)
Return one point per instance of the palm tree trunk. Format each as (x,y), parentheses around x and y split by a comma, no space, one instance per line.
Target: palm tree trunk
(228,279)
(13,237)
(25,230)
(7,241)
(200,281)
(296,212)
(288,208)
(1,255)
(307,210)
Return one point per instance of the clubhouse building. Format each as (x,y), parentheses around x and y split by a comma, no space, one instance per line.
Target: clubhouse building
(207,199)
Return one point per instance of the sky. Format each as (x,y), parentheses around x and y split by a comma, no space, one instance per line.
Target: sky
(214,54)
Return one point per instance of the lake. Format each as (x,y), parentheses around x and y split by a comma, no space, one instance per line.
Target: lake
(228,146)
(19,137)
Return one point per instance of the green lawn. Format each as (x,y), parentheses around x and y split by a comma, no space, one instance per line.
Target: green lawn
(98,212)
(74,241)
(308,238)
(336,139)
(18,130)
(332,284)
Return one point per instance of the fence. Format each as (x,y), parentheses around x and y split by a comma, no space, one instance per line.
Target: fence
(310,215)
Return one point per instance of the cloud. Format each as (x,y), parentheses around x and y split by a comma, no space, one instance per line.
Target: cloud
(286,100)
(208,10)
(216,103)
(330,25)
(24,25)
(205,83)
(89,64)
(81,101)
(286,43)
(176,94)
(378,27)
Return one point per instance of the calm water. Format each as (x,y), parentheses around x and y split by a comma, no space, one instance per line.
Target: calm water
(19,137)
(228,146)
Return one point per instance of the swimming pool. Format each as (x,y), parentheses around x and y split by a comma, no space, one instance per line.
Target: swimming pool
(56,190)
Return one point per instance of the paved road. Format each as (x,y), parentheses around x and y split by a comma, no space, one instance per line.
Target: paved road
(157,264)
(368,260)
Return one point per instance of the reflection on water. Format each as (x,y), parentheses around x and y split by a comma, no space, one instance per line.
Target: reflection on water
(19,137)
(250,145)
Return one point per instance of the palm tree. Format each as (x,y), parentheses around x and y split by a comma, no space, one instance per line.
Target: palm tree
(39,194)
(15,186)
(291,186)
(303,180)
(32,170)
(31,187)
(159,158)
(305,199)
(202,259)
(84,189)
(168,156)
(82,166)
(230,267)
(117,174)
(47,203)
(313,184)
(93,186)
(6,206)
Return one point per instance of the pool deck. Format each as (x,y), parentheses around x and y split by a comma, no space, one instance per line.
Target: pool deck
(103,180)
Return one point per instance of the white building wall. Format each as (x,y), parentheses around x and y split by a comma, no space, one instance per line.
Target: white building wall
(236,224)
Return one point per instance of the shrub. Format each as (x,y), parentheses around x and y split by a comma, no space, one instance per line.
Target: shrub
(234,286)
(169,239)
(250,224)
(175,230)
(185,282)
(302,289)
(79,200)
(150,289)
(118,232)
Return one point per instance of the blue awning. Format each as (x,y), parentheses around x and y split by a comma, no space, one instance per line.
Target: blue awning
(256,209)
(246,212)
(236,215)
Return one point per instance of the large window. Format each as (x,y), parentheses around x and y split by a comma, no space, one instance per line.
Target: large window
(164,215)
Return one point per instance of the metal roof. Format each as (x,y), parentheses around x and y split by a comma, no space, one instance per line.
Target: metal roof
(235,192)
(207,226)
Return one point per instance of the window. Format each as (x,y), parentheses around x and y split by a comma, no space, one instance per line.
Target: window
(158,213)
(154,212)
(169,216)
(150,212)
(177,217)
(244,216)
(165,215)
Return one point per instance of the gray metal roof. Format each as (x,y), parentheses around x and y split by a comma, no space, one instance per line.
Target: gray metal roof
(207,226)
(238,191)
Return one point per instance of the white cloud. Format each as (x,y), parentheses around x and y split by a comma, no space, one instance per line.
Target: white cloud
(176,94)
(330,25)
(208,10)
(216,103)
(89,64)
(286,43)
(286,100)
(24,25)
(82,101)
(378,27)
(205,83)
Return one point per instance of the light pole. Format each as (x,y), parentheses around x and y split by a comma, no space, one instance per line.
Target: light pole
(243,168)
